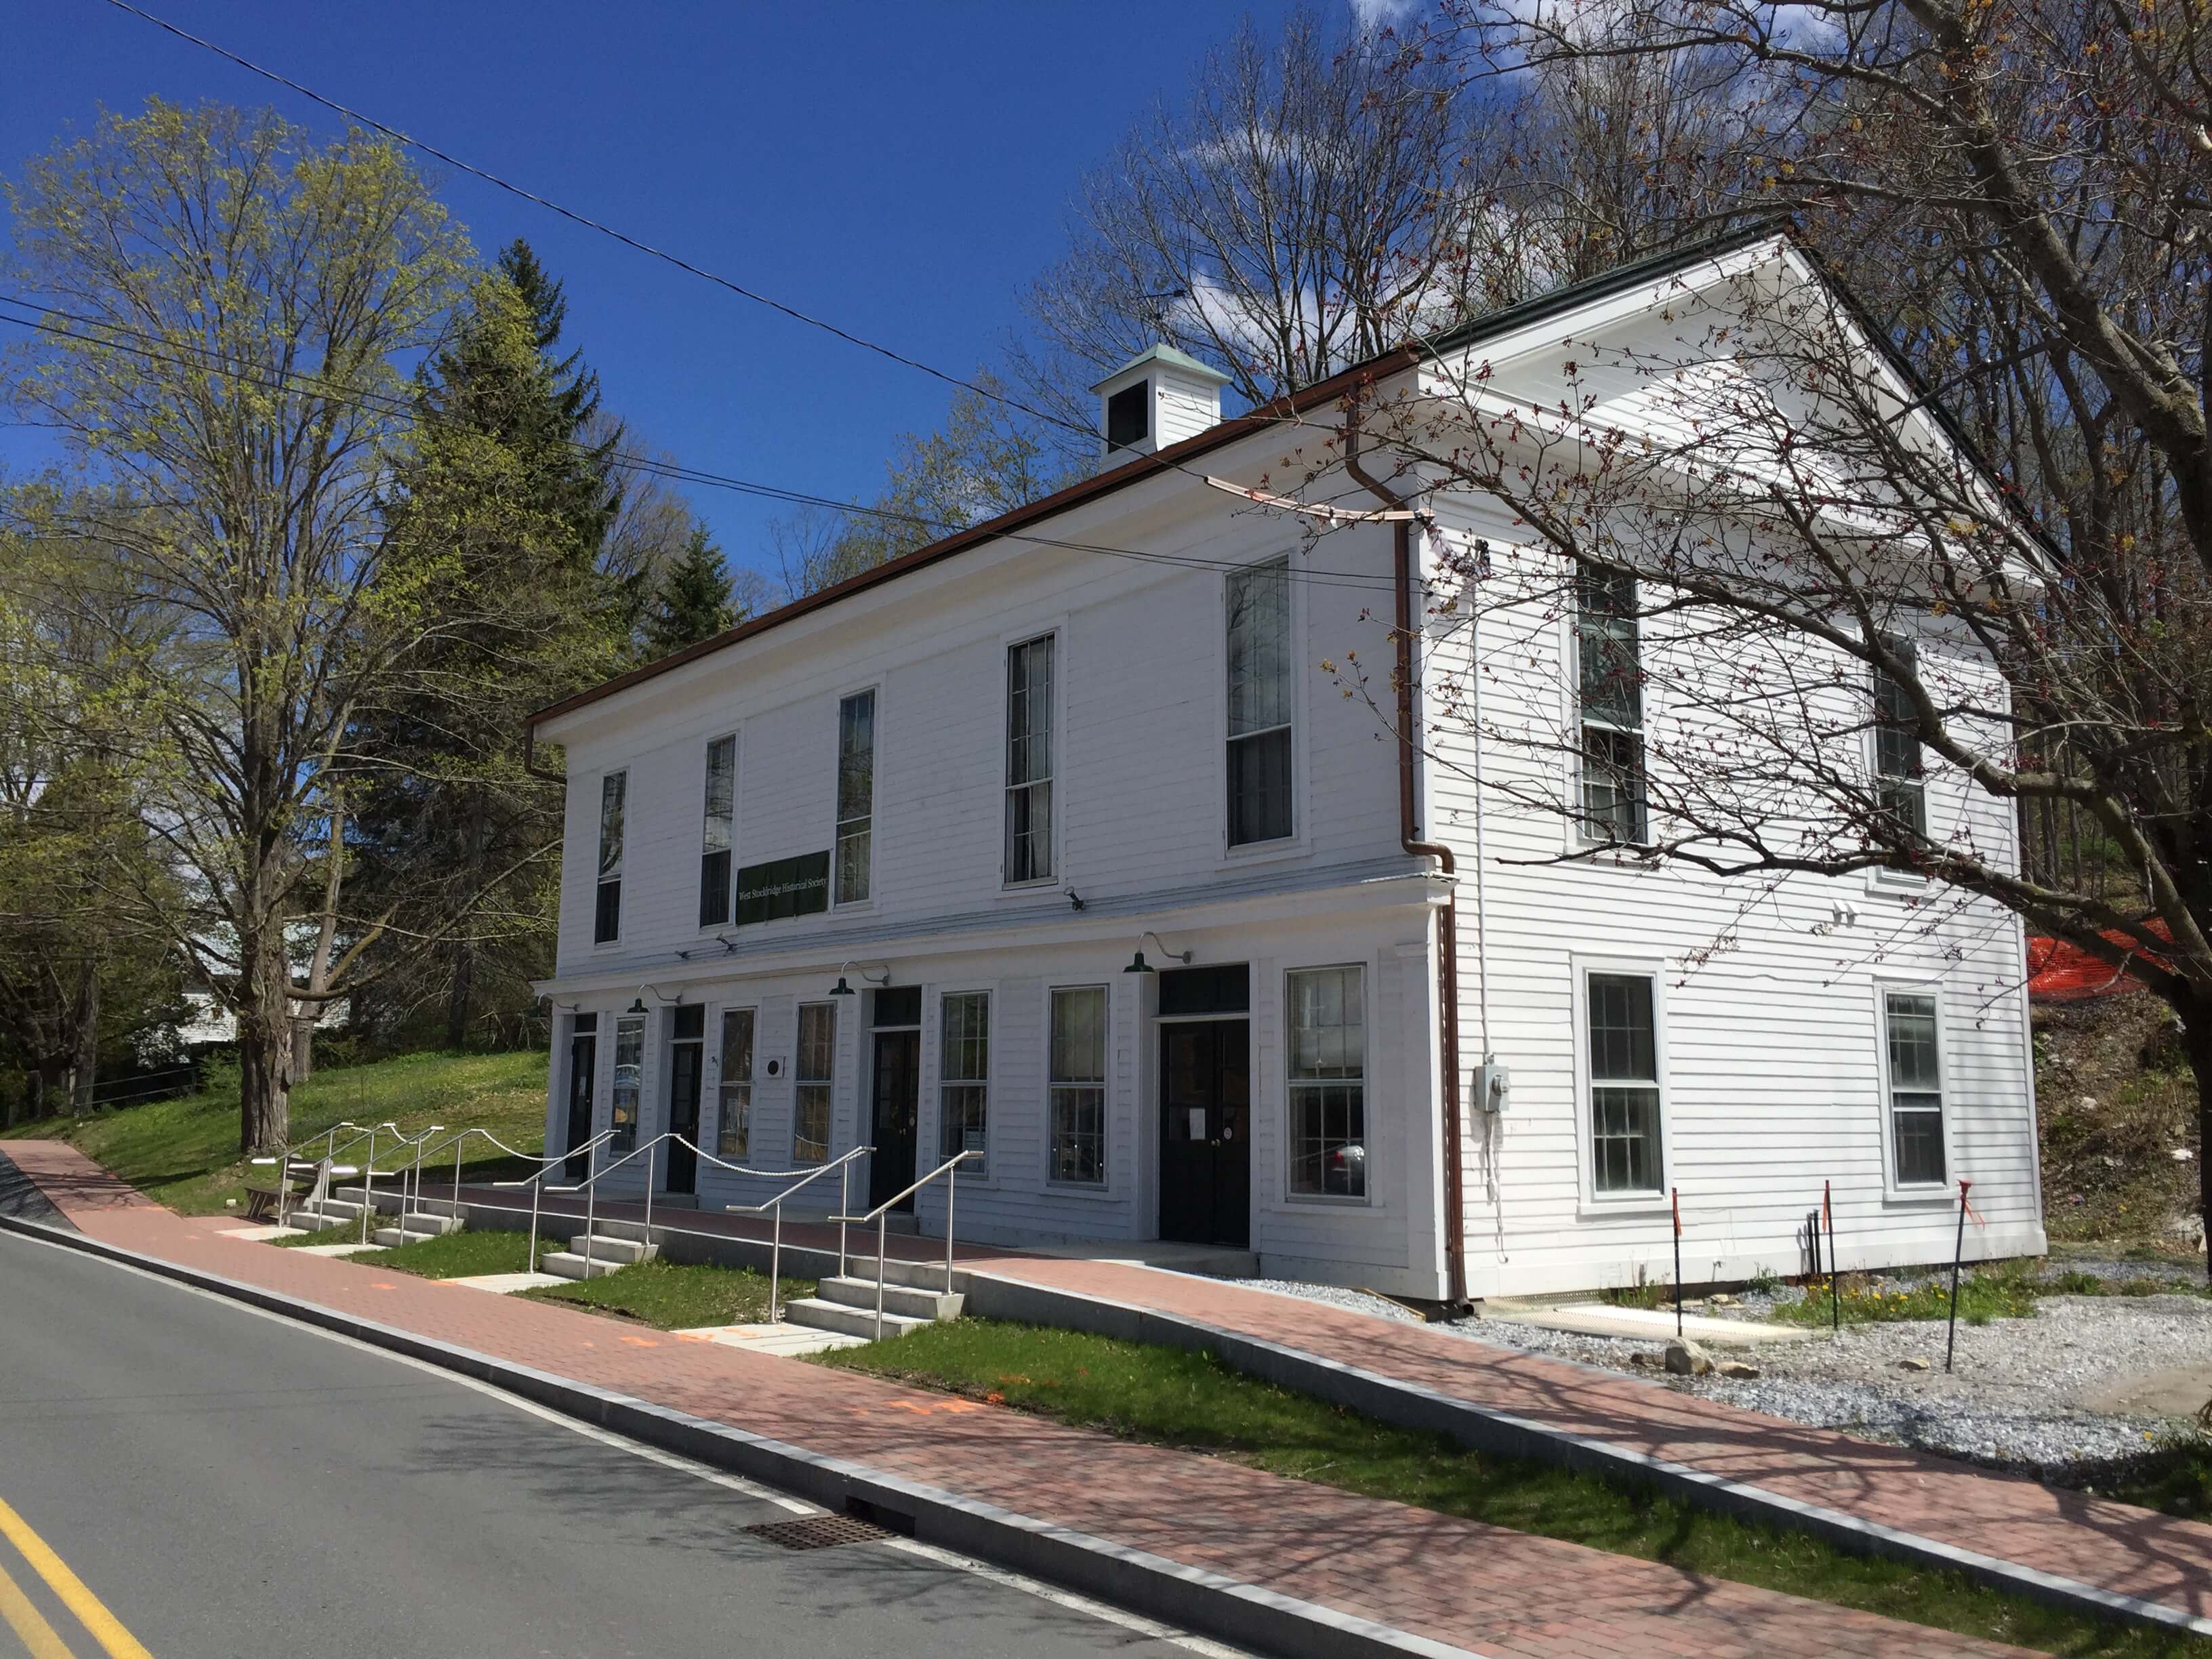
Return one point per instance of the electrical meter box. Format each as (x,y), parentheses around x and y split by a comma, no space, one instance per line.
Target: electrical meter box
(1493,1086)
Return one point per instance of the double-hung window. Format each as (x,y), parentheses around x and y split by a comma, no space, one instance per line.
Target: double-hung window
(1915,1087)
(630,1080)
(856,798)
(1328,1082)
(1609,710)
(814,1080)
(1625,1146)
(1260,695)
(606,912)
(734,1124)
(716,839)
(1899,775)
(1078,1086)
(964,1078)
(1029,761)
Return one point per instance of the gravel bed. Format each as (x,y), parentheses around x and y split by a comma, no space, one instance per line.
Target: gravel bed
(2016,1400)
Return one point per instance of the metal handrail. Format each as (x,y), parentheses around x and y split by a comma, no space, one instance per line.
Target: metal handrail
(881,1216)
(282,1158)
(843,1164)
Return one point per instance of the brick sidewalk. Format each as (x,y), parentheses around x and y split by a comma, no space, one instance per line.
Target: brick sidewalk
(1450,1580)
(2111,1547)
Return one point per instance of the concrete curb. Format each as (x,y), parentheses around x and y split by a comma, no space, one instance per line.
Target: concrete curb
(1481,1428)
(1210,1603)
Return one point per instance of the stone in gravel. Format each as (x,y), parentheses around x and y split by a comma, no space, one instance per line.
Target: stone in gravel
(1642,1360)
(1687,1358)
(1738,1368)
(1725,1301)
(1913,1365)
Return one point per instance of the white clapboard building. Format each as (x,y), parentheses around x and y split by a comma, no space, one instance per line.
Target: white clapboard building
(1055,842)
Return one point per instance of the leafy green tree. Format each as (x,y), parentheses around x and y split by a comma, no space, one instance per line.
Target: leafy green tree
(233,306)
(497,522)
(694,601)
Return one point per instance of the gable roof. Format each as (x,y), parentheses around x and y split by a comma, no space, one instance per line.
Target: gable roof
(1489,325)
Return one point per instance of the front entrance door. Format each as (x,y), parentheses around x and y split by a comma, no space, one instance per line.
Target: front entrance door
(897,1116)
(687,1056)
(583,1069)
(1206,1112)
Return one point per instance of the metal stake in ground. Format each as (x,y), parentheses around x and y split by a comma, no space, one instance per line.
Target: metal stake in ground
(1835,1293)
(1958,1252)
(1674,1197)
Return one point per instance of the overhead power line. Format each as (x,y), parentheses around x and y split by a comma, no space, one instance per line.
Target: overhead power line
(277,380)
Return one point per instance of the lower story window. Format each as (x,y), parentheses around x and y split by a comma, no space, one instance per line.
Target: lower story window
(1915,1087)
(1626,1154)
(630,1080)
(1078,1086)
(818,1059)
(734,1125)
(964,1078)
(1328,1082)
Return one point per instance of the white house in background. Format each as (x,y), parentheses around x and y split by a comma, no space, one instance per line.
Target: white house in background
(1076,860)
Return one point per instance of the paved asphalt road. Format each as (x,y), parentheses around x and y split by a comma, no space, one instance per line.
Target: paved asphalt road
(228,1484)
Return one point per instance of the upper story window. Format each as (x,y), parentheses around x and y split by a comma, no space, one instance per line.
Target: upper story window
(1609,699)
(964,1078)
(1899,776)
(1029,761)
(1915,1087)
(734,1123)
(717,836)
(1626,1152)
(1128,416)
(856,798)
(1260,691)
(606,913)
(1328,1082)
(815,1079)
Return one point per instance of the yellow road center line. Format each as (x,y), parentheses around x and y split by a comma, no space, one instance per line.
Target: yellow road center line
(90,1610)
(29,1624)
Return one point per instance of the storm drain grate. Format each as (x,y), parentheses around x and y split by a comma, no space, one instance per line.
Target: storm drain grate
(818,1531)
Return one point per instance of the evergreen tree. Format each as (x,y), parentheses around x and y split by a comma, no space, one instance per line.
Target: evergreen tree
(693,602)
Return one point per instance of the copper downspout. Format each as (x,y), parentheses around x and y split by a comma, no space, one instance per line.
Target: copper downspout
(1448,915)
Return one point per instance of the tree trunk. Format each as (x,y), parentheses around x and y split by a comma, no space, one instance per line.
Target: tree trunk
(2196,1042)
(264,1045)
(86,1060)
(459,994)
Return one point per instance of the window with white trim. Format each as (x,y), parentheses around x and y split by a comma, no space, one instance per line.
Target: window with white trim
(813,1079)
(856,798)
(1626,1155)
(964,1077)
(1915,1087)
(606,911)
(1078,1085)
(1328,1082)
(734,1125)
(1259,699)
(1899,776)
(716,838)
(1609,710)
(1029,761)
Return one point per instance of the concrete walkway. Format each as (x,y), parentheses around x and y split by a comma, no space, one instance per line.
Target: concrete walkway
(1456,1585)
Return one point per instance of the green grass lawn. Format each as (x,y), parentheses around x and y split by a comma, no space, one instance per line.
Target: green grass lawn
(2177,1478)
(463,1255)
(1169,1397)
(184,1153)
(673,1296)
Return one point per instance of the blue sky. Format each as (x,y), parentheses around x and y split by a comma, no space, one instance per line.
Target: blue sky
(900,169)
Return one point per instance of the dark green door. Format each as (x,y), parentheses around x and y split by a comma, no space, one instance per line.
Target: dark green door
(1205,1124)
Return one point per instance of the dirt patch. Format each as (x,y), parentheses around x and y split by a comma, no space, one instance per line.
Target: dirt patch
(2116,1101)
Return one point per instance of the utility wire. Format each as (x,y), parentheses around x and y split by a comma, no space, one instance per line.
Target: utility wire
(378,403)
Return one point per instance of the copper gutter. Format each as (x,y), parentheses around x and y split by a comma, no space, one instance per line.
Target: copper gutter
(1448,866)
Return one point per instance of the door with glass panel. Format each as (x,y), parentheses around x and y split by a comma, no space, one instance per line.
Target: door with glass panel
(687,1065)
(583,1068)
(1205,1159)
(896,1115)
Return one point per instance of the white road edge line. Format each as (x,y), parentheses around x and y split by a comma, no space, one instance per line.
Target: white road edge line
(1037,1587)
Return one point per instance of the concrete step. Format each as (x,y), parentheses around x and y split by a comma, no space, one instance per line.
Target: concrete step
(923,1275)
(313,1221)
(825,1315)
(904,1299)
(339,1210)
(616,1249)
(430,1222)
(392,1237)
(571,1266)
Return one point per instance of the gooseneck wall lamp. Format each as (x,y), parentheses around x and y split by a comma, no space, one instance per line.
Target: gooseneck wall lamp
(843,989)
(1138,965)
